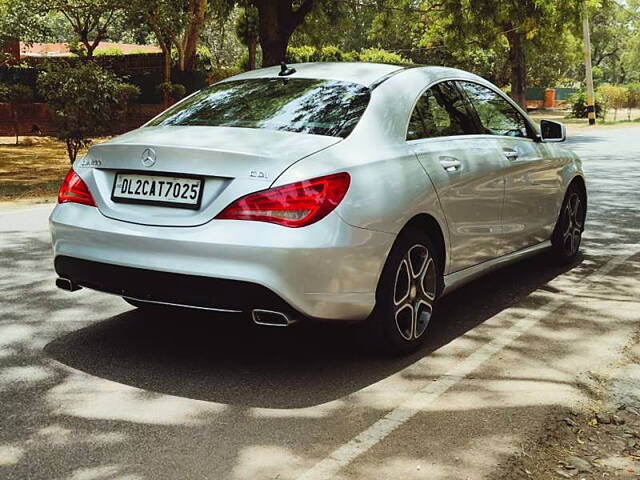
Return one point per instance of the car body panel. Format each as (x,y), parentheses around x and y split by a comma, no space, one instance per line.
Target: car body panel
(328,270)
(232,161)
(471,196)
(493,211)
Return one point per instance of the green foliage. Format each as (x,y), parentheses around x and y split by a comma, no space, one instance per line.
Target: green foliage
(174,91)
(15,93)
(248,25)
(108,52)
(378,55)
(127,93)
(24,19)
(243,60)
(221,73)
(330,53)
(302,54)
(618,97)
(86,100)
(578,102)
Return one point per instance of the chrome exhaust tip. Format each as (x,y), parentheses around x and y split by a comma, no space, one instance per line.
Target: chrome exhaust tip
(270,318)
(66,284)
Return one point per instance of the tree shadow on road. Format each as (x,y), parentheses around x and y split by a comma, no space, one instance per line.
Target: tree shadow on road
(228,360)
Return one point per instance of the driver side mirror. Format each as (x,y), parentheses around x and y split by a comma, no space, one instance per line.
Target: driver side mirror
(551,131)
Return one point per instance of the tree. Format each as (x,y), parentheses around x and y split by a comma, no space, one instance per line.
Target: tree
(89,20)
(278,21)
(490,24)
(247,30)
(21,19)
(15,95)
(86,101)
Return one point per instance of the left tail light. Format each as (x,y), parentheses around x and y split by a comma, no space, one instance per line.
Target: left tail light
(294,205)
(73,189)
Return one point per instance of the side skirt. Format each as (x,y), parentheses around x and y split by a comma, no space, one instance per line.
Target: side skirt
(457,279)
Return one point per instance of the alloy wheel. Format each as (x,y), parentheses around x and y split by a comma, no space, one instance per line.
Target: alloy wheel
(414,292)
(573,225)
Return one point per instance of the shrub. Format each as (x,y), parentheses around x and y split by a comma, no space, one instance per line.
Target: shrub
(108,52)
(86,100)
(303,54)
(578,102)
(614,97)
(330,53)
(221,73)
(13,95)
(633,98)
(378,55)
(173,91)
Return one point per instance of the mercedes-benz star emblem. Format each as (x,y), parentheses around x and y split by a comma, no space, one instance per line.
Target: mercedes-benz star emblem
(148,157)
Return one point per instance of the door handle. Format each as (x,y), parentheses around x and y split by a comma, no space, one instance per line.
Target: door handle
(450,164)
(510,154)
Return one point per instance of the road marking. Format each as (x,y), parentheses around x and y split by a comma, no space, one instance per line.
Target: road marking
(368,438)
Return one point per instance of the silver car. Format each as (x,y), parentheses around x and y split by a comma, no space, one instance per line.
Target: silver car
(329,191)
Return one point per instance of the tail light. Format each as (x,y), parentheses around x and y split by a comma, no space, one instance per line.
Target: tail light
(73,189)
(294,205)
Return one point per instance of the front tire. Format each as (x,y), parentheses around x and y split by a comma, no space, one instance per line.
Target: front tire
(567,235)
(407,293)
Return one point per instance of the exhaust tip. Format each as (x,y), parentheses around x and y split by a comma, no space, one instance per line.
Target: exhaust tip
(270,318)
(66,284)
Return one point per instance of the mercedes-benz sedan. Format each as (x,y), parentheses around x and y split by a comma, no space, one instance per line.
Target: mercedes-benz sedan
(346,191)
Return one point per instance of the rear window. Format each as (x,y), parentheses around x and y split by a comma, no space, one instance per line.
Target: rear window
(320,107)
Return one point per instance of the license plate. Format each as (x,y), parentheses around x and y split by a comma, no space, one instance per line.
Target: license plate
(163,190)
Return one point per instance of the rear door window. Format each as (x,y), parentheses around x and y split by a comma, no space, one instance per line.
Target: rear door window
(497,116)
(320,107)
(441,111)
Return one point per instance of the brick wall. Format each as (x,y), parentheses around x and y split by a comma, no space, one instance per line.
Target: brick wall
(36,119)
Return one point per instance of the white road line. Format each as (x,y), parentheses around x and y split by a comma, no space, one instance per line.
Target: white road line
(341,457)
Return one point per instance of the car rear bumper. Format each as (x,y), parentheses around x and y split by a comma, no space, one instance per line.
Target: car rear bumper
(328,270)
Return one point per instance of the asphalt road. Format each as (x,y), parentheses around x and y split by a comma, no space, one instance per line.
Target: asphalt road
(93,389)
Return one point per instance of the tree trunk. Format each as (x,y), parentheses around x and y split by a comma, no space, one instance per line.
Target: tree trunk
(252,53)
(278,20)
(274,38)
(14,114)
(197,12)
(518,67)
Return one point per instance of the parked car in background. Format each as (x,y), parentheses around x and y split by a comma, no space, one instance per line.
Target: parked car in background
(343,192)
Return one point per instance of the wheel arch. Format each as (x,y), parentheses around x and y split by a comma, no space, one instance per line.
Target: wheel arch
(429,224)
(580,184)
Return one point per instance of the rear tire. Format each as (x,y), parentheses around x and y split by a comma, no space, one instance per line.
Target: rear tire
(408,289)
(567,235)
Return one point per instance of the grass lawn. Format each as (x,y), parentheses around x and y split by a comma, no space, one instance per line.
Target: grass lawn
(33,169)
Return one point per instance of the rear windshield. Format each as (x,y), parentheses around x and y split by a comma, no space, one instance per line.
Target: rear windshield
(320,107)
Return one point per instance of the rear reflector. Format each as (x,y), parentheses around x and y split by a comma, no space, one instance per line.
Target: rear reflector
(73,189)
(294,205)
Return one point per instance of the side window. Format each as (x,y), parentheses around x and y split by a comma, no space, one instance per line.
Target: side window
(497,116)
(440,112)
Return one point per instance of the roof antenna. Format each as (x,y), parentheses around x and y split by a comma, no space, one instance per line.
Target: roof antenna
(286,71)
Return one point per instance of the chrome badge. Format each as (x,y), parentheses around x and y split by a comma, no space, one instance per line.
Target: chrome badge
(148,157)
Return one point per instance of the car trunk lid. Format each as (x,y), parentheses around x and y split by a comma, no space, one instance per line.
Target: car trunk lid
(231,161)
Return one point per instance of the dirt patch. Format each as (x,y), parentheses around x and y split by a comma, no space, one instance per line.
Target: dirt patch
(599,440)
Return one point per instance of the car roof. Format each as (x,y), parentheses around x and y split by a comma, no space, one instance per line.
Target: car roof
(355,72)
(369,74)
